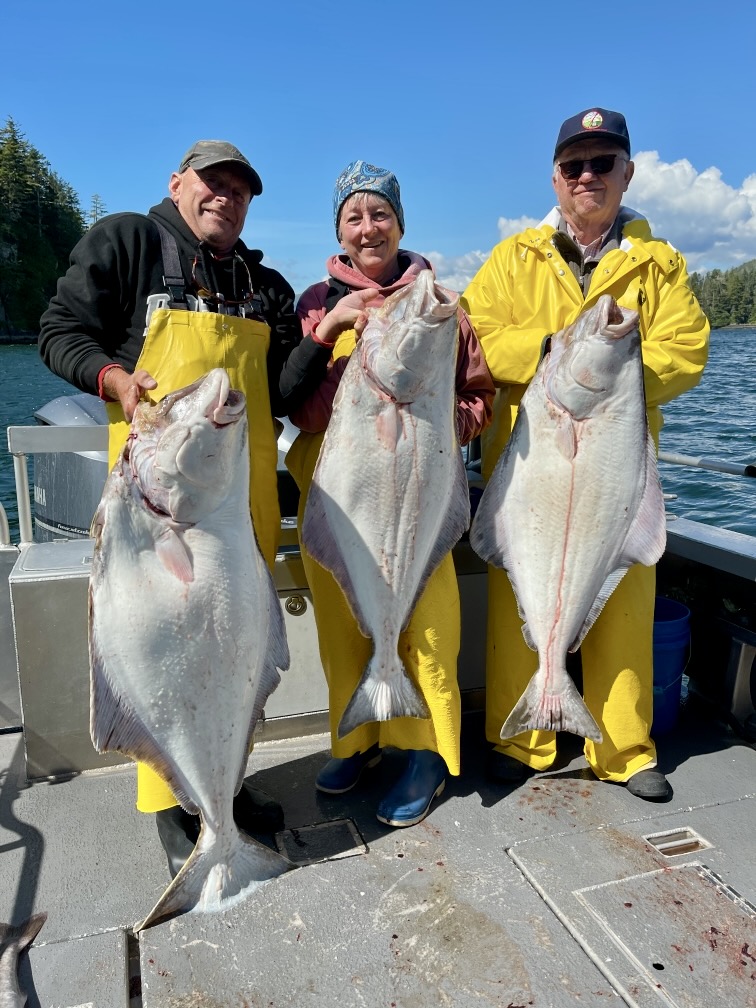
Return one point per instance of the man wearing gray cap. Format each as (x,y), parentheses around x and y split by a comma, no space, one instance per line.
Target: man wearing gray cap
(534,284)
(152,302)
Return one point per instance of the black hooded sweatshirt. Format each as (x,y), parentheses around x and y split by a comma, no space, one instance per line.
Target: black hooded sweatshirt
(98,315)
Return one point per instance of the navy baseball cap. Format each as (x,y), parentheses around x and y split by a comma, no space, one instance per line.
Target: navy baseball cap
(594,122)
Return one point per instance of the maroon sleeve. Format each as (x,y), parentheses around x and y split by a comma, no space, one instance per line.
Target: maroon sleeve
(475,388)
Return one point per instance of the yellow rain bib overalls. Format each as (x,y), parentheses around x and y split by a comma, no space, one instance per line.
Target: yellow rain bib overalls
(429,646)
(180,346)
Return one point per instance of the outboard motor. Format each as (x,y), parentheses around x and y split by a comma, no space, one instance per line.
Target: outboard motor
(68,485)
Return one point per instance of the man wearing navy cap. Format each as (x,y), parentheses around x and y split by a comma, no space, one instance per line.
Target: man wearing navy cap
(534,284)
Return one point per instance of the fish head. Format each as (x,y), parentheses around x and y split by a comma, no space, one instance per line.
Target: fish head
(588,356)
(185,451)
(409,339)
(606,320)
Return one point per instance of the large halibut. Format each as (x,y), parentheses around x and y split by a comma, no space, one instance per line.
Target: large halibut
(389,496)
(573,501)
(185,629)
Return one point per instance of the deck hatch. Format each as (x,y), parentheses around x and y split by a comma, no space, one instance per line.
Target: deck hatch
(324,841)
(676,842)
(690,934)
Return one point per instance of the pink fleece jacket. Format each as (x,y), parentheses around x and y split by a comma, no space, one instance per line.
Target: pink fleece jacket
(475,389)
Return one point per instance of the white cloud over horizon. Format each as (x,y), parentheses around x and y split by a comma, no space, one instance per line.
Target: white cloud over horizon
(712,223)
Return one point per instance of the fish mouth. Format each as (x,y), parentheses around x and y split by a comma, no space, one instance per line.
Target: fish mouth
(211,395)
(228,411)
(614,321)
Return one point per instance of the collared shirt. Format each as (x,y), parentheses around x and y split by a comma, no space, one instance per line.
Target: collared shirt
(583,259)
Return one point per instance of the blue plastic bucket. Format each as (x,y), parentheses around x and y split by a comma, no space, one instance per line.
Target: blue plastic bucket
(671,653)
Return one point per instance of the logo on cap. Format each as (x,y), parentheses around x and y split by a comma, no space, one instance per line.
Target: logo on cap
(592,120)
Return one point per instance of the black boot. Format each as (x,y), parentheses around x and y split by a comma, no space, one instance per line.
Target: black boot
(178,832)
(255,811)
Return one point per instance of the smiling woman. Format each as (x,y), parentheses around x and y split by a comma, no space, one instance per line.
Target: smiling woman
(369,233)
(369,224)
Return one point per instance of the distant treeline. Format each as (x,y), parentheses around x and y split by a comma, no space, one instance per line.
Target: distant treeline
(40,222)
(729,297)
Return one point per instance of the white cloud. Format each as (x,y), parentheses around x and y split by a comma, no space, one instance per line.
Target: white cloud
(455,272)
(511,225)
(712,223)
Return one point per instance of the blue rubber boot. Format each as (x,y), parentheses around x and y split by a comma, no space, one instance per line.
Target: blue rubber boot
(409,800)
(341,775)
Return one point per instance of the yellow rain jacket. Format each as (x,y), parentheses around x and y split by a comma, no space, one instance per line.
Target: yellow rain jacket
(179,348)
(523,293)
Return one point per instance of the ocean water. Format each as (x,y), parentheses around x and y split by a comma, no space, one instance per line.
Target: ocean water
(717,420)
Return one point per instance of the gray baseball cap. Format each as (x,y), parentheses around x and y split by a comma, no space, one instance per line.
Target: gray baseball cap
(206,153)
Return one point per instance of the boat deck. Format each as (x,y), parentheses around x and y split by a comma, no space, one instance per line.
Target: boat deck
(559,891)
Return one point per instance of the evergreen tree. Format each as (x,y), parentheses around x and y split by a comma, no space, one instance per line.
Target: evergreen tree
(96,210)
(40,222)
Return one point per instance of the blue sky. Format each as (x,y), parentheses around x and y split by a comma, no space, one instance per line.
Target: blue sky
(462,101)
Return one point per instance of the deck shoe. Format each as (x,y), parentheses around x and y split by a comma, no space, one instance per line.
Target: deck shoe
(178,832)
(409,800)
(650,785)
(504,769)
(341,775)
(255,811)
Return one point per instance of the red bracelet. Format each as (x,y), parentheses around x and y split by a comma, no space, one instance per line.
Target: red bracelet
(103,371)
(316,339)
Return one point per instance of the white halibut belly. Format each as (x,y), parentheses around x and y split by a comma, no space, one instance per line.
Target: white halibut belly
(572,518)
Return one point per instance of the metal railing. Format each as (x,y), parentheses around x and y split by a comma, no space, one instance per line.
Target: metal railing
(23,441)
(715,465)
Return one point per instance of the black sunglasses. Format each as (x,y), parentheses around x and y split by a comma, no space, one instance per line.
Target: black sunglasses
(602,164)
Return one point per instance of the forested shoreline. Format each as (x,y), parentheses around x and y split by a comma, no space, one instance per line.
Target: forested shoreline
(41,220)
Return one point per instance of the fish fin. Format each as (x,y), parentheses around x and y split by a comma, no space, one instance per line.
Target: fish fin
(526,633)
(115,727)
(219,874)
(600,601)
(319,542)
(455,523)
(537,710)
(566,436)
(647,537)
(20,936)
(278,647)
(269,680)
(382,698)
(172,554)
(276,657)
(488,533)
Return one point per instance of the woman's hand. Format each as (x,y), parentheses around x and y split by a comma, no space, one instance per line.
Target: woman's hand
(349,313)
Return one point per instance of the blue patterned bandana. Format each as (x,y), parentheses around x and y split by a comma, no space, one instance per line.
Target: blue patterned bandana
(359,176)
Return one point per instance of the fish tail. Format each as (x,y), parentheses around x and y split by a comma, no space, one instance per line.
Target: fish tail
(22,935)
(538,710)
(218,875)
(381,698)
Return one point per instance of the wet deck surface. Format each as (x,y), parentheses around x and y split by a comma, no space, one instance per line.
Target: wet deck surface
(551,893)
